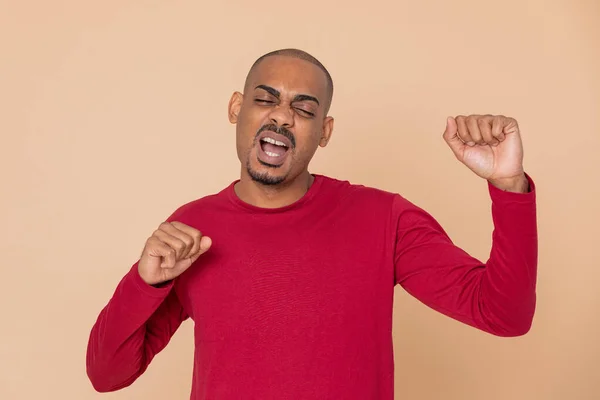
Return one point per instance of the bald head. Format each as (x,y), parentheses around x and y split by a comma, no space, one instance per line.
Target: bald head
(286,98)
(301,55)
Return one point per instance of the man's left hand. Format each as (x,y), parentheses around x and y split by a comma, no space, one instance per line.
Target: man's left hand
(491,147)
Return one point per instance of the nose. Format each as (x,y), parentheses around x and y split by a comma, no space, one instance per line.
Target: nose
(282,116)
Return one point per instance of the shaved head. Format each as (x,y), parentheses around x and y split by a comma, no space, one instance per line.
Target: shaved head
(282,117)
(301,55)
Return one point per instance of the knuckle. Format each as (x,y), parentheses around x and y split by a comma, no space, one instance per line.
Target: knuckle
(176,224)
(188,242)
(151,242)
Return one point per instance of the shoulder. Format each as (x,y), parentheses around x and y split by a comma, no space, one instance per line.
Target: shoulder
(201,207)
(373,203)
(362,194)
(374,209)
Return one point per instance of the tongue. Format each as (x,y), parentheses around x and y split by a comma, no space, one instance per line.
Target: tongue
(272,148)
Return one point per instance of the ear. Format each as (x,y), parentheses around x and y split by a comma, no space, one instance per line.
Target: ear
(235,105)
(327,131)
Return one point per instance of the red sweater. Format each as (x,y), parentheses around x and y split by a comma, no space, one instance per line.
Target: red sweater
(296,302)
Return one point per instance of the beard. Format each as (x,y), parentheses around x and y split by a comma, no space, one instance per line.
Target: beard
(264,178)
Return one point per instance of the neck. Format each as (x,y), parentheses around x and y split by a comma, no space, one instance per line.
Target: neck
(275,196)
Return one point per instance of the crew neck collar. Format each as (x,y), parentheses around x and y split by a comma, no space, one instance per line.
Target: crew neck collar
(310,193)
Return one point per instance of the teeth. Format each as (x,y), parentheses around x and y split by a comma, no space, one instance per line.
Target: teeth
(273,141)
(271,154)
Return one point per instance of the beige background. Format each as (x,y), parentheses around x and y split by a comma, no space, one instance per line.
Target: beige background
(113,113)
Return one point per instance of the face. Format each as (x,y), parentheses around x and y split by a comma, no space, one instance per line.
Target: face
(280,119)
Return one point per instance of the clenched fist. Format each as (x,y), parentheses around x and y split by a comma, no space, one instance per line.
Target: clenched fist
(171,249)
(491,147)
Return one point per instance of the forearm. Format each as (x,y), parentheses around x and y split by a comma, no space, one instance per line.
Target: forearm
(119,347)
(497,296)
(507,291)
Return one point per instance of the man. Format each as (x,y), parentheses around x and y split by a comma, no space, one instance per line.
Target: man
(289,276)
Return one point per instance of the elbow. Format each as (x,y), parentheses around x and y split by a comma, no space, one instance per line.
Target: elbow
(509,331)
(524,323)
(521,329)
(98,370)
(511,320)
(100,387)
(105,378)
(99,381)
(105,382)
(110,372)
(101,378)
(519,326)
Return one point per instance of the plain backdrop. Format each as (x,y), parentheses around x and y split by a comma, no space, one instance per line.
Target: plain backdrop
(114,113)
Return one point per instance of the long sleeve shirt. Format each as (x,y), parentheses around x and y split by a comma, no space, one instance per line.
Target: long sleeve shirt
(296,302)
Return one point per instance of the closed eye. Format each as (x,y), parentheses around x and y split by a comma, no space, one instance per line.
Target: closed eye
(304,112)
(261,101)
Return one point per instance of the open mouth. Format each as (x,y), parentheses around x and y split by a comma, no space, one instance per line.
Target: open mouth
(273,151)
(272,147)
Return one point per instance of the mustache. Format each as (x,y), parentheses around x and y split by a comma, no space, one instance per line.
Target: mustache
(280,130)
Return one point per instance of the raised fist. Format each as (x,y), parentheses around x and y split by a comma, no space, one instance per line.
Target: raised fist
(490,146)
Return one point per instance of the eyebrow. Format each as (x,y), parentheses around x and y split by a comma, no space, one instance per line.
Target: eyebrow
(298,97)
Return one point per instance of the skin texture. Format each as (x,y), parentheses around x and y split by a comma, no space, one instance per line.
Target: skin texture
(279,95)
(171,250)
(305,120)
(491,147)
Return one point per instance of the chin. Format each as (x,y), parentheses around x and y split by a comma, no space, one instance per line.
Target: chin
(265,174)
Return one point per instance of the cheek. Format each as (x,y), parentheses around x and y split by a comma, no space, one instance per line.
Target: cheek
(250,121)
(252,114)
(308,144)
(245,128)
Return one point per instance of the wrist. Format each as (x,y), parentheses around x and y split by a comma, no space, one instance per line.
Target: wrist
(151,281)
(146,287)
(160,285)
(516,184)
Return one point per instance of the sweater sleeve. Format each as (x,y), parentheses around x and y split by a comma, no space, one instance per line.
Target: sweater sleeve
(497,296)
(135,325)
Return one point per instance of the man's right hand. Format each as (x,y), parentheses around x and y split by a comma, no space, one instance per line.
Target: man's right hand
(171,250)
